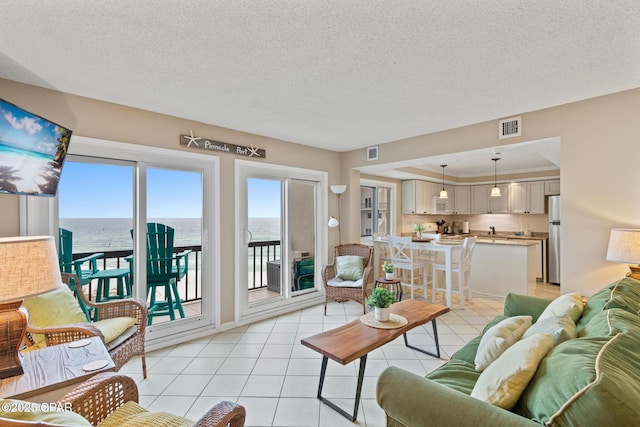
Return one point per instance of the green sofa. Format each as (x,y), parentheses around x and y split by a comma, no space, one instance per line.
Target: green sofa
(591,380)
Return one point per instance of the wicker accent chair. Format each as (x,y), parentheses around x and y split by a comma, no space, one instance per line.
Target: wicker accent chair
(348,290)
(128,345)
(111,399)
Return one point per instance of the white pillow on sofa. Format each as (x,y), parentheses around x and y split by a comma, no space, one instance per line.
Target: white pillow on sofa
(504,381)
(500,337)
(560,328)
(570,304)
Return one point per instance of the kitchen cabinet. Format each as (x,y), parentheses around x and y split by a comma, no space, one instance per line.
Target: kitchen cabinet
(462,200)
(482,202)
(526,197)
(417,196)
(552,187)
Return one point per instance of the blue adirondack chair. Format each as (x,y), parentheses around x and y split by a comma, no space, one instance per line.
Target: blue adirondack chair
(164,270)
(85,268)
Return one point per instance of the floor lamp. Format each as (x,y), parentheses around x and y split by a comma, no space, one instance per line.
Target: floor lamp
(28,266)
(335,223)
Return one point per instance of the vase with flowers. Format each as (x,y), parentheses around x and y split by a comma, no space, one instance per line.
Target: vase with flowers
(389,270)
(419,228)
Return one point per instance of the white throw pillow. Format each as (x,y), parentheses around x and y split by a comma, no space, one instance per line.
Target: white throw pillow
(499,338)
(560,328)
(504,381)
(570,304)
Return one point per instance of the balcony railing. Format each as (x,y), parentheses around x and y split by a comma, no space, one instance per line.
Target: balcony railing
(190,286)
(259,254)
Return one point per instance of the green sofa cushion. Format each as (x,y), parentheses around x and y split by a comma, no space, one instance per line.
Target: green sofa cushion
(623,293)
(611,322)
(457,375)
(600,377)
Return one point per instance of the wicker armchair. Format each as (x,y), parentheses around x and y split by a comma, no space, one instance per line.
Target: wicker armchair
(129,345)
(341,292)
(98,400)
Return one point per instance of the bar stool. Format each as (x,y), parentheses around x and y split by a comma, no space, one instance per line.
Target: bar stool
(463,267)
(402,258)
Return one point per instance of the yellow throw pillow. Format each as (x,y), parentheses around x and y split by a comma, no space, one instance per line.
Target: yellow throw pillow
(498,338)
(133,415)
(504,381)
(58,307)
(37,412)
(350,267)
(113,328)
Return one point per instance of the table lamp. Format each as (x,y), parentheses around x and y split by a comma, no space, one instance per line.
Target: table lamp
(28,266)
(624,246)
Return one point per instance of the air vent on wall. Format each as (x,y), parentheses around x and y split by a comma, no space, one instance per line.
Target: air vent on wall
(509,128)
(372,153)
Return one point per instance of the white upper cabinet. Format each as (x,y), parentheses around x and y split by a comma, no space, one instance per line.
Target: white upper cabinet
(552,187)
(527,197)
(499,204)
(480,199)
(482,202)
(462,200)
(415,197)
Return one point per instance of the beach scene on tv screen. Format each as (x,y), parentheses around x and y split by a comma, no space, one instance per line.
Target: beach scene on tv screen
(32,151)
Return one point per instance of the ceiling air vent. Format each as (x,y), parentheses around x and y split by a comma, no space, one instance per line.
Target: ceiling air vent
(372,153)
(509,128)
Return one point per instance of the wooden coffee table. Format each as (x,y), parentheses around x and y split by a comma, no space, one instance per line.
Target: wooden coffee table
(356,340)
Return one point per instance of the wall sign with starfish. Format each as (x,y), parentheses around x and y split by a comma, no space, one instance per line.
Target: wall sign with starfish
(191,141)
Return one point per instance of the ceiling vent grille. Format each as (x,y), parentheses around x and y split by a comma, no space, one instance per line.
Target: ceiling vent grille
(508,128)
(372,153)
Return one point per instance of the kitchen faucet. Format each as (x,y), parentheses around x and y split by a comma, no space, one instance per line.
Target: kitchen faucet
(493,230)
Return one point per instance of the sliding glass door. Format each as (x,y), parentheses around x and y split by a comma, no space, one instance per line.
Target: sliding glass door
(280,236)
(107,204)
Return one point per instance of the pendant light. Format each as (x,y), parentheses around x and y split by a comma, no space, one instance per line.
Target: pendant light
(443,193)
(495,191)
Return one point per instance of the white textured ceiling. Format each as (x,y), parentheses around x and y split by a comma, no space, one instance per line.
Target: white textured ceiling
(337,74)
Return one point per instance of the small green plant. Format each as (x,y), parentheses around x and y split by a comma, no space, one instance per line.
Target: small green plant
(381,297)
(388,268)
(418,227)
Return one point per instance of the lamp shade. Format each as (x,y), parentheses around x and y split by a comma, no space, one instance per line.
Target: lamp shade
(28,266)
(624,245)
(338,189)
(333,223)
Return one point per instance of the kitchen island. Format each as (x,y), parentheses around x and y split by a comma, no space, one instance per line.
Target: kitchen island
(499,264)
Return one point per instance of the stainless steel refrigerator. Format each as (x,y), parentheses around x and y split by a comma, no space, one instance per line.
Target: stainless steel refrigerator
(554,239)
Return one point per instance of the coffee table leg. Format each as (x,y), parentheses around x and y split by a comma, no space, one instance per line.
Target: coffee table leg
(323,370)
(435,335)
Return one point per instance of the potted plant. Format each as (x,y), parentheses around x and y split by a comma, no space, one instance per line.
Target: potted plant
(419,228)
(381,299)
(388,270)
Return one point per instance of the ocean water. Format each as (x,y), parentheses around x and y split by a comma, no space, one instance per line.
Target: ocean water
(113,234)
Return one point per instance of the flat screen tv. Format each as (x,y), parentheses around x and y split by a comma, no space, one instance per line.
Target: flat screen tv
(32,152)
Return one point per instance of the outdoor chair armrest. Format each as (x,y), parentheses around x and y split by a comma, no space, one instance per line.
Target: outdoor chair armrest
(91,259)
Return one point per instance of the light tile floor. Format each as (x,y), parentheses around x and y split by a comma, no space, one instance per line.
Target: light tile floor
(264,367)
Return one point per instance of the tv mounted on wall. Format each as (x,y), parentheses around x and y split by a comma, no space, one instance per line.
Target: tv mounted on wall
(32,152)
